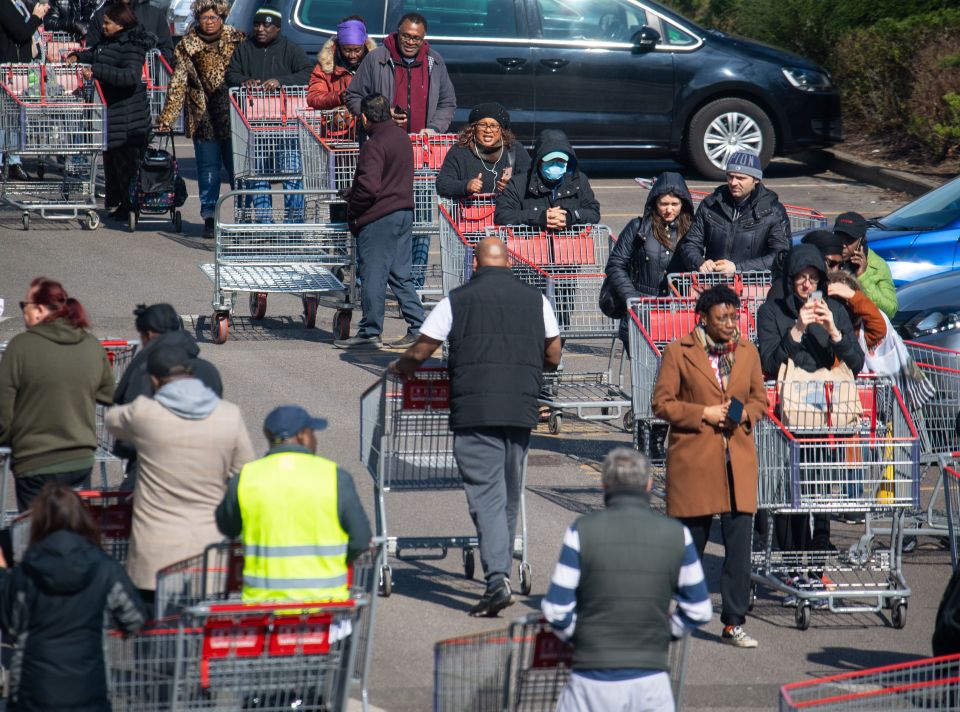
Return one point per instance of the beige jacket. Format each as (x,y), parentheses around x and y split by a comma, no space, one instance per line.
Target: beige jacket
(184,467)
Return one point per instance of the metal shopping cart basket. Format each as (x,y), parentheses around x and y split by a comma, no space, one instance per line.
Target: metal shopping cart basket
(830,448)
(521,669)
(111,510)
(752,285)
(407,446)
(927,684)
(266,134)
(157,75)
(463,222)
(278,257)
(223,657)
(950,467)
(50,111)
(570,264)
(55,46)
(329,149)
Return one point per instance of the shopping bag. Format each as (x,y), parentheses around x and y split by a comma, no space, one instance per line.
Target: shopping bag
(820,400)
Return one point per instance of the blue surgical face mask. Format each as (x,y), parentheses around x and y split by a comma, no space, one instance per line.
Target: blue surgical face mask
(554,170)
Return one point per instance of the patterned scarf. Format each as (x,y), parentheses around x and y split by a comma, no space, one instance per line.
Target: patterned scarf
(724,351)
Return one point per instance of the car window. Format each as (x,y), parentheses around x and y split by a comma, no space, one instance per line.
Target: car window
(934,210)
(673,35)
(607,20)
(325,14)
(461,18)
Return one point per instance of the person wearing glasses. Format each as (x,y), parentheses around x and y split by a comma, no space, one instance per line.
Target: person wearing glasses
(486,155)
(412,76)
(51,378)
(198,84)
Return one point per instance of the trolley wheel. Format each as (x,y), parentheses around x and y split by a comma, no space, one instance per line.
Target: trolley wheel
(752,601)
(258,305)
(526,578)
(177,221)
(469,564)
(341,325)
(220,327)
(555,423)
(386,581)
(802,615)
(26,221)
(93,220)
(899,614)
(628,420)
(132,221)
(310,312)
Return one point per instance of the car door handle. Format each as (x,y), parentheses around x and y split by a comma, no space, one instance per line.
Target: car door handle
(511,62)
(555,63)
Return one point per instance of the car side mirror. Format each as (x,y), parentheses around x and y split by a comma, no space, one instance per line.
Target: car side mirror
(645,39)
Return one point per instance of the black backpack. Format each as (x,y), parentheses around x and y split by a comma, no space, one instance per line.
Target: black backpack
(946,627)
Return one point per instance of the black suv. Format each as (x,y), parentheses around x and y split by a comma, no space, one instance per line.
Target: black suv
(616,75)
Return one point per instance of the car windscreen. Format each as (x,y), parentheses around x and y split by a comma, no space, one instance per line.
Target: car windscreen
(933,211)
(325,14)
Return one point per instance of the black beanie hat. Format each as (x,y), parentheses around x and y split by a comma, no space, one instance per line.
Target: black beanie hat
(827,242)
(491,110)
(160,318)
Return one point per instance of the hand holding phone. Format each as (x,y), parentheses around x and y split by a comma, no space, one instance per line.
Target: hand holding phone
(735,411)
(815,296)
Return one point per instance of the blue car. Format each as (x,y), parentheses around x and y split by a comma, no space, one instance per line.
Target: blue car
(923,237)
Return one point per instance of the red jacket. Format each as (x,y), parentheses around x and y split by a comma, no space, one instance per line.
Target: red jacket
(328,79)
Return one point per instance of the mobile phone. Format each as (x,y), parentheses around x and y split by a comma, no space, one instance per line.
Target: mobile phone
(507,173)
(735,411)
(815,296)
(399,110)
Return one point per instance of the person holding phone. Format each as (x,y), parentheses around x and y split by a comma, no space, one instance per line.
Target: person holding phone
(867,266)
(710,390)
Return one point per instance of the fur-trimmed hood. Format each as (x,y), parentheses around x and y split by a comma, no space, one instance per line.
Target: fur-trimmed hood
(326,54)
(193,44)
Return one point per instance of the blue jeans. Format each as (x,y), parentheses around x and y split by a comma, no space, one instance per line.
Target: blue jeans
(211,155)
(285,160)
(383,254)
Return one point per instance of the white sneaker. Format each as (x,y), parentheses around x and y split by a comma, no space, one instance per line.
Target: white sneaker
(737,637)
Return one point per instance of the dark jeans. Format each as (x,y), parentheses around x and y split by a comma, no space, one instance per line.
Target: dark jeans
(384,253)
(29,487)
(210,156)
(737,530)
(119,166)
(491,465)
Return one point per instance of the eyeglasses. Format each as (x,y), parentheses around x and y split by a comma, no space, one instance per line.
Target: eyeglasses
(810,279)
(488,127)
(210,18)
(411,39)
(833,264)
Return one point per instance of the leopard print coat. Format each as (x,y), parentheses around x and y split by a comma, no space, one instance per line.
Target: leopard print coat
(198,85)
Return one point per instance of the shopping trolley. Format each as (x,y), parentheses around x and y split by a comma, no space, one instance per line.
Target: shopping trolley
(747,285)
(802,219)
(329,149)
(50,111)
(950,468)
(521,669)
(264,125)
(55,46)
(838,451)
(157,75)
(223,657)
(111,511)
(407,446)
(927,684)
(287,258)
(120,353)
(463,222)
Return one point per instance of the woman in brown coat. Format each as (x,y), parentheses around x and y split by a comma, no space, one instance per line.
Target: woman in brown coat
(712,460)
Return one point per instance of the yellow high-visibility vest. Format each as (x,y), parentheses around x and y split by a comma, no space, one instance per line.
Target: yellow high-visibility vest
(294,546)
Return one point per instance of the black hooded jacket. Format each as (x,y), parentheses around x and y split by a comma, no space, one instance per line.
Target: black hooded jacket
(54,605)
(527,196)
(750,235)
(815,350)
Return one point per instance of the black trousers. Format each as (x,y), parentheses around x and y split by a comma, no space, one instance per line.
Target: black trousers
(737,531)
(29,487)
(119,166)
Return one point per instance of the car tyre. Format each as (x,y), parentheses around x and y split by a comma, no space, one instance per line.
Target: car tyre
(737,118)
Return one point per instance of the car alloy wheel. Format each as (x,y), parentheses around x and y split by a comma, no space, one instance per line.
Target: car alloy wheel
(728,133)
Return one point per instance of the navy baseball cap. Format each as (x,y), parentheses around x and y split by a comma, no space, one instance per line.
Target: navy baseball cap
(286,421)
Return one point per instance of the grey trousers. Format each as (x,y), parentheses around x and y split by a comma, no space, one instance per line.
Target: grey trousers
(384,253)
(644,694)
(491,462)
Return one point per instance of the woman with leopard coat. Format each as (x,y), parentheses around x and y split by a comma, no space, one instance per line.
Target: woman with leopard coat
(202,58)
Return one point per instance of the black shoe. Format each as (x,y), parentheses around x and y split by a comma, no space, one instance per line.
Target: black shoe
(208,228)
(15,172)
(493,601)
(359,342)
(409,339)
(122,213)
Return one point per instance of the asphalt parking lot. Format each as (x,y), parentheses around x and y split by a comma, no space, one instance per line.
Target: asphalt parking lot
(278,361)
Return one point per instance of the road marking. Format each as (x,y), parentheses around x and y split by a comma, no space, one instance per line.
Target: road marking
(597,185)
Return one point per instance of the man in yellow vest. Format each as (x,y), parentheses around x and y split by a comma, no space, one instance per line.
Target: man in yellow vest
(299,516)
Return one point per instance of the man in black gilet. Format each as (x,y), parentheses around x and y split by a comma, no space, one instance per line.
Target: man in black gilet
(502,334)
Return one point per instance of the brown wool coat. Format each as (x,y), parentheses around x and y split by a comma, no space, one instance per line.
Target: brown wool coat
(697,483)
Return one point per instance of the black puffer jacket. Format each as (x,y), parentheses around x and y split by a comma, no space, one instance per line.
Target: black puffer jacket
(777,316)
(118,65)
(53,606)
(750,235)
(152,18)
(71,16)
(639,264)
(527,196)
(16,33)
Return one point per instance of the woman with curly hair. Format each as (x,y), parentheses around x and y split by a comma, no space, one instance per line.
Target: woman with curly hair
(486,155)
(202,57)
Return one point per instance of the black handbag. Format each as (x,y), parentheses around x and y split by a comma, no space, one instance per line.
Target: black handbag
(609,299)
